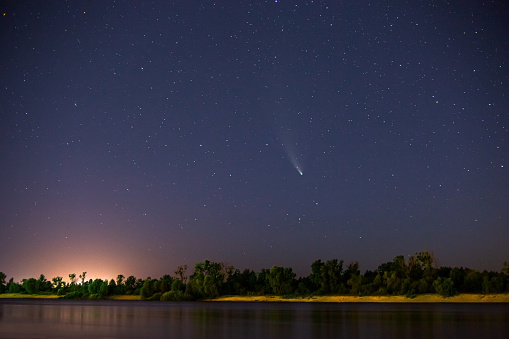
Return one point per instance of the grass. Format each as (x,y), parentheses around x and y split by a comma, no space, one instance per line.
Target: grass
(54,296)
(29,296)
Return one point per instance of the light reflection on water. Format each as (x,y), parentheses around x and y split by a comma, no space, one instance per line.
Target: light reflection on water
(131,319)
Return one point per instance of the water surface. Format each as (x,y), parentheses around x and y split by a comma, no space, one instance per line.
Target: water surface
(35,318)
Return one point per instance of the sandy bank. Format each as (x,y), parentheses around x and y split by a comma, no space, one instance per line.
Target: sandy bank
(425,298)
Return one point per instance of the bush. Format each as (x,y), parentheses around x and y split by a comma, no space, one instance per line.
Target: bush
(30,285)
(14,288)
(175,296)
(74,295)
(155,297)
(95,296)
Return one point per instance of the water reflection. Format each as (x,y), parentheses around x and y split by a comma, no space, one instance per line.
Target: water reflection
(124,319)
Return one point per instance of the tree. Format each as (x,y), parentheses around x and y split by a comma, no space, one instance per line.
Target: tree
(208,279)
(112,287)
(331,276)
(30,285)
(492,283)
(150,290)
(13,287)
(43,284)
(326,277)
(103,290)
(351,270)
(2,282)
(399,266)
(505,269)
(177,285)
(473,281)
(180,272)
(457,276)
(315,276)
(82,277)
(241,283)
(414,269)
(94,287)
(120,287)
(262,285)
(355,282)
(211,287)
(444,287)
(281,280)
(391,282)
(130,284)
(57,282)
(72,278)
(426,260)
(138,285)
(165,283)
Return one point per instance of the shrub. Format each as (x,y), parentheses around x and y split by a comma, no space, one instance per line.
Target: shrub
(74,295)
(154,297)
(95,296)
(174,296)
(14,288)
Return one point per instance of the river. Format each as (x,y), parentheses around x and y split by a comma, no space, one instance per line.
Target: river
(36,318)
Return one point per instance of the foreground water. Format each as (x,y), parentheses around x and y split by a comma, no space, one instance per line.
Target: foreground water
(21,318)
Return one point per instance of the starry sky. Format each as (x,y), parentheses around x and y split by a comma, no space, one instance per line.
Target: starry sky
(136,136)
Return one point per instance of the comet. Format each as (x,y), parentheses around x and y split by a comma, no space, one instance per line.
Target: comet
(294,160)
(289,144)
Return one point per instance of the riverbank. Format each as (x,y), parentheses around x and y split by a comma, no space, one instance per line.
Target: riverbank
(424,298)
(28,296)
(54,296)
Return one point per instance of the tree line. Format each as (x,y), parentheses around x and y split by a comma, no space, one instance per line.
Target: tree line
(417,275)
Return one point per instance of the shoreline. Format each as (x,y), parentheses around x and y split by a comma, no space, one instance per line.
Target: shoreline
(54,296)
(422,298)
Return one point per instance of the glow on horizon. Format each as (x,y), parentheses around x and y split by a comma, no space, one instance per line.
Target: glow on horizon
(95,266)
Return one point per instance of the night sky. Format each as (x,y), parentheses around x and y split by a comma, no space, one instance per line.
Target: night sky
(138,136)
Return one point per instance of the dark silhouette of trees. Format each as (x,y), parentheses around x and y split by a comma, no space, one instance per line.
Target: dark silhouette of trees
(57,282)
(180,272)
(207,280)
(444,287)
(82,277)
(281,280)
(130,285)
(3,287)
(30,285)
(417,275)
(327,278)
(72,278)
